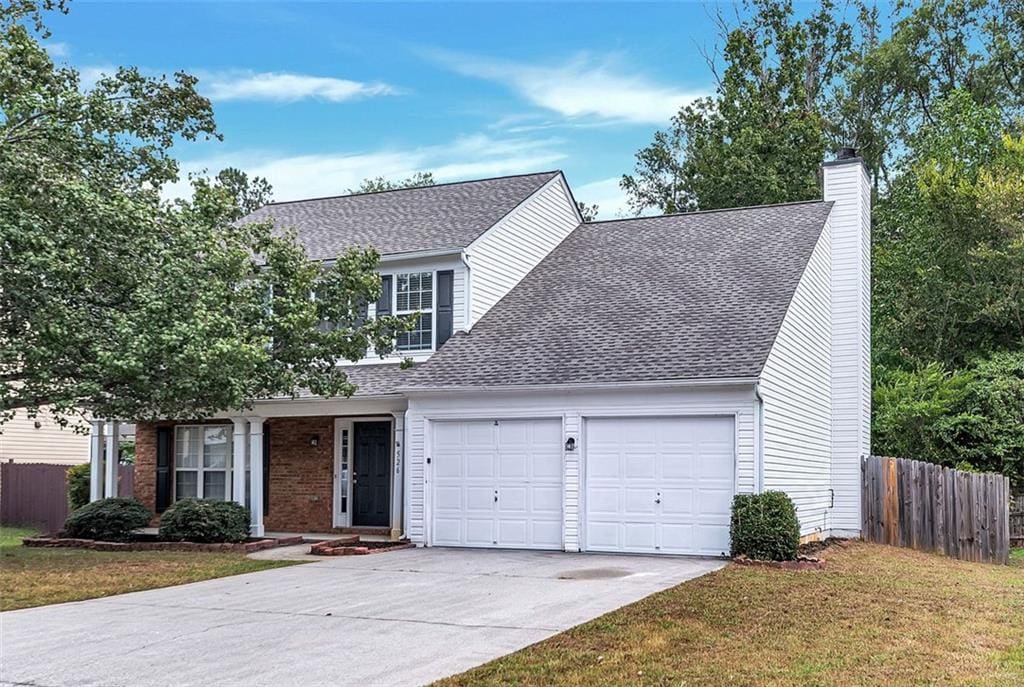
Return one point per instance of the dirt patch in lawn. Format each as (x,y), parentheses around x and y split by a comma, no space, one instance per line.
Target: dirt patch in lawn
(39,576)
(874,615)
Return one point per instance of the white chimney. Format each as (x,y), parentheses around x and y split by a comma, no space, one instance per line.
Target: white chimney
(847,185)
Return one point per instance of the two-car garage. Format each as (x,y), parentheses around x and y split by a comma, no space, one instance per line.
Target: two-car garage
(631,484)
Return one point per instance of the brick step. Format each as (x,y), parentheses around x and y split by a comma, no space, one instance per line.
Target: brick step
(383,531)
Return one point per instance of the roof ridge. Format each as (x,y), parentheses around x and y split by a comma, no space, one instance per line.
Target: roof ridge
(710,212)
(415,188)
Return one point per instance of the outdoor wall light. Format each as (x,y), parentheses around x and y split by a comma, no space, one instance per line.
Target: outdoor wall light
(570,444)
(314,440)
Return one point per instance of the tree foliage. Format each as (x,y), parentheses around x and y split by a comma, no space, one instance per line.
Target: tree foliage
(376,184)
(248,194)
(117,302)
(762,136)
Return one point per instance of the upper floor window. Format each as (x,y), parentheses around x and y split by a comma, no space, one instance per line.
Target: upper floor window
(415,293)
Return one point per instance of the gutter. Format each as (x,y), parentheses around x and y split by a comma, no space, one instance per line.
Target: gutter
(758,439)
(656,384)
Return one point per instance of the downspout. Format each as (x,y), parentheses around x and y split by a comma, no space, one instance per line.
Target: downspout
(758,440)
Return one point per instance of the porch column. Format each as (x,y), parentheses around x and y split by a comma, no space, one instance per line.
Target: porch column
(256,475)
(397,472)
(113,441)
(95,460)
(238,447)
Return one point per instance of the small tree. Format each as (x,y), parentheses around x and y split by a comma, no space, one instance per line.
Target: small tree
(78,485)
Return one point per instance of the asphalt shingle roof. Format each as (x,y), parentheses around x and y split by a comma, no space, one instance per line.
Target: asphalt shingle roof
(379,379)
(682,297)
(445,216)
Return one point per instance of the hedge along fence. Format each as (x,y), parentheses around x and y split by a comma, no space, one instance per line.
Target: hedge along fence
(929,507)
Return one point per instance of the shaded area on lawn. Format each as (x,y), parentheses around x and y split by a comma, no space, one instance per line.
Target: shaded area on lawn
(875,615)
(36,577)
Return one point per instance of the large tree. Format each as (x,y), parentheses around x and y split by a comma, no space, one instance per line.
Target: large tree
(124,305)
(377,184)
(761,137)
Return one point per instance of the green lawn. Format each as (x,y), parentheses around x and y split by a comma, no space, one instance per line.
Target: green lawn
(36,577)
(875,616)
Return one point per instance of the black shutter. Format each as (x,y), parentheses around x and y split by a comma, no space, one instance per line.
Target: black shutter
(164,467)
(266,469)
(445,299)
(384,302)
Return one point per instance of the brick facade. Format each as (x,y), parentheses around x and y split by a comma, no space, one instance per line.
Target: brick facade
(301,476)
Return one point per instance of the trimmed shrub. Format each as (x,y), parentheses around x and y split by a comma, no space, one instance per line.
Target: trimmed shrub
(107,520)
(206,521)
(78,486)
(764,526)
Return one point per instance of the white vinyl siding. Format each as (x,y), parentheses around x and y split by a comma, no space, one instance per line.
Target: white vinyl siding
(506,252)
(796,385)
(849,188)
(572,409)
(22,442)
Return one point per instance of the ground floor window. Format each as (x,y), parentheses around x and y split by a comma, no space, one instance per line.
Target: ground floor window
(202,462)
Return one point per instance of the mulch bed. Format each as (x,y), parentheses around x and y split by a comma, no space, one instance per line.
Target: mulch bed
(150,543)
(352,546)
(805,559)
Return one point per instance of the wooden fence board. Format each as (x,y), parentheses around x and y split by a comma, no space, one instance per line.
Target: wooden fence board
(933,508)
(36,495)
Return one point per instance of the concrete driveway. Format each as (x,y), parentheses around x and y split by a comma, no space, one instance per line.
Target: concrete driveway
(402,618)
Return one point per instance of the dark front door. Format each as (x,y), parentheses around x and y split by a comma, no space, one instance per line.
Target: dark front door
(371,458)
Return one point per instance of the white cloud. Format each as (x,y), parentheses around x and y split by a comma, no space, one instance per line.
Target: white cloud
(286,87)
(57,49)
(584,86)
(308,176)
(610,198)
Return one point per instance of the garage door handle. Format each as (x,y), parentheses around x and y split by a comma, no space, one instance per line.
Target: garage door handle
(657,500)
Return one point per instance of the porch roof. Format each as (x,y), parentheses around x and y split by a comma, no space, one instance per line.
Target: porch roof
(370,380)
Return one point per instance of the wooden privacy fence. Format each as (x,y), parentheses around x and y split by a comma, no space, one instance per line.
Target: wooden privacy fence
(1017,522)
(925,506)
(36,494)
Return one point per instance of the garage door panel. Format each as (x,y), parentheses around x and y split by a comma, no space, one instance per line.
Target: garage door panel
(640,501)
(508,475)
(640,465)
(602,464)
(478,532)
(513,465)
(547,500)
(676,503)
(661,484)
(479,499)
(479,465)
(639,536)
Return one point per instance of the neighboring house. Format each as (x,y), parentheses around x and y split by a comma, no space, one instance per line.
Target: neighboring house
(597,387)
(41,440)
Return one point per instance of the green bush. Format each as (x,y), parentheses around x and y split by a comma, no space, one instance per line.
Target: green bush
(107,520)
(204,520)
(764,526)
(78,486)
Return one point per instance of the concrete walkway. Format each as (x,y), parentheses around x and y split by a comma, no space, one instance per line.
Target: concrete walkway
(400,618)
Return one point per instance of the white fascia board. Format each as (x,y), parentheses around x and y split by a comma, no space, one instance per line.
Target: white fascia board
(584,386)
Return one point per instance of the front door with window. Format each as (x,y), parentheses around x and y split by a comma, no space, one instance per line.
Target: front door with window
(371,487)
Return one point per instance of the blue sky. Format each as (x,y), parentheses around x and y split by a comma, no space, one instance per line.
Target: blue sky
(316,96)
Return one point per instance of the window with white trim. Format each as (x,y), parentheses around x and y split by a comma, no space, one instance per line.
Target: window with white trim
(202,462)
(414,292)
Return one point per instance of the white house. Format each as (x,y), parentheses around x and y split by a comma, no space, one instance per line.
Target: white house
(597,387)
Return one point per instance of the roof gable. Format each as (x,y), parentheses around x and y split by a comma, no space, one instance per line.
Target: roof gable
(444,216)
(696,296)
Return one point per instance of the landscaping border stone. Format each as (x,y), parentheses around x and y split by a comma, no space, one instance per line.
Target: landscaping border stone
(351,546)
(239,547)
(801,563)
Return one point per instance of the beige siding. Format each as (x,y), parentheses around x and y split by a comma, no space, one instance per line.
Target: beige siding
(22,442)
(503,255)
(796,386)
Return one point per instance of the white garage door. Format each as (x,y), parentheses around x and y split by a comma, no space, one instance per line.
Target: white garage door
(497,483)
(659,485)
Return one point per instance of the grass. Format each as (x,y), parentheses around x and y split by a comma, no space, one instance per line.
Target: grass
(36,577)
(875,615)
